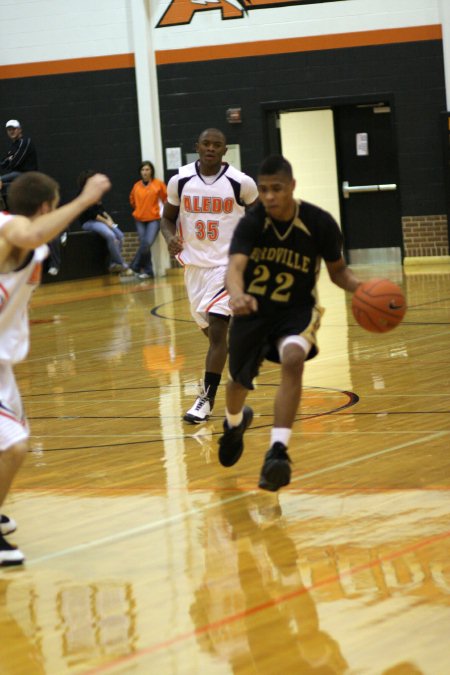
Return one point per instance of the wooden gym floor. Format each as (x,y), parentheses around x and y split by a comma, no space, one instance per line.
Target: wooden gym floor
(146,556)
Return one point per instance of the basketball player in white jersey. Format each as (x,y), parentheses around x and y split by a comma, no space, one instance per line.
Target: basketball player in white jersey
(205,201)
(33,199)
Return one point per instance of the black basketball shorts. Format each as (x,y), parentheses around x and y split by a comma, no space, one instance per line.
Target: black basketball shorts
(254,337)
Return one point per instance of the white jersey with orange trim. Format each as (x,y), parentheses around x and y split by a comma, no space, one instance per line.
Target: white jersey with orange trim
(209,211)
(16,288)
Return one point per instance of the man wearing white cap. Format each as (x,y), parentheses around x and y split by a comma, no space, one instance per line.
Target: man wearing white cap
(21,156)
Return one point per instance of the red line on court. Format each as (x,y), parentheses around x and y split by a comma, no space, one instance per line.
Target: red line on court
(159,646)
(86,295)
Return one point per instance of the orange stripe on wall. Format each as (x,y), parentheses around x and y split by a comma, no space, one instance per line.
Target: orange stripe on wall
(93,63)
(208,53)
(305,44)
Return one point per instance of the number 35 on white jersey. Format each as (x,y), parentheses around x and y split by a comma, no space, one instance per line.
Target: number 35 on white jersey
(209,213)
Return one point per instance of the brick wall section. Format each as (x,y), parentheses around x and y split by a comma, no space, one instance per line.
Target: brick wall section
(425,235)
(130,245)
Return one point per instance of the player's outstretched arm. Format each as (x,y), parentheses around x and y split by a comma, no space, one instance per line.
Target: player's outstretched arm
(342,276)
(241,303)
(29,233)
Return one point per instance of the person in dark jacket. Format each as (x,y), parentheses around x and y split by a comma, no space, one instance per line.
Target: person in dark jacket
(96,219)
(21,156)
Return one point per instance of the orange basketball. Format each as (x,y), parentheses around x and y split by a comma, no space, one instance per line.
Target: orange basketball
(378,305)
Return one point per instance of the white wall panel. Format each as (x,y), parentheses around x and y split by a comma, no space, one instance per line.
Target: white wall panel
(47,30)
(37,30)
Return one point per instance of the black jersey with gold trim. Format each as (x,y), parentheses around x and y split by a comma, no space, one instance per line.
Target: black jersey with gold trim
(284,257)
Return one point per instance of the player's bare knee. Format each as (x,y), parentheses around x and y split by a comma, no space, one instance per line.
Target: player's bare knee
(218,340)
(235,388)
(293,357)
(16,453)
(217,332)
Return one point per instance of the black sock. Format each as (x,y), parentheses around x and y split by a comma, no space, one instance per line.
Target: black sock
(212,381)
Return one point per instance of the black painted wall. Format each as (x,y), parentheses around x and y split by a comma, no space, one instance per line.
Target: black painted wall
(196,96)
(79,121)
(84,120)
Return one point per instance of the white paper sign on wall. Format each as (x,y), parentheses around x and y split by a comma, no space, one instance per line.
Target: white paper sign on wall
(173,158)
(362,144)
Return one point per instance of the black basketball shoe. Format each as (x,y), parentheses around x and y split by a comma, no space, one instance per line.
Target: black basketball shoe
(7,525)
(276,470)
(9,554)
(231,444)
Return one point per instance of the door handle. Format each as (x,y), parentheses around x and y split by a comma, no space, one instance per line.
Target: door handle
(348,189)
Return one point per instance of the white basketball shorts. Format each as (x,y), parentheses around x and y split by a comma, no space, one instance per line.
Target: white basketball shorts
(13,425)
(206,291)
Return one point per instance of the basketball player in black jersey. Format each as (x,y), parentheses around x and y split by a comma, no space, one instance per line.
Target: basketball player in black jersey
(274,264)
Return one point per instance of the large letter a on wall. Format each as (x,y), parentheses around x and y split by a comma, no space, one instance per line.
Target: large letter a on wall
(182,11)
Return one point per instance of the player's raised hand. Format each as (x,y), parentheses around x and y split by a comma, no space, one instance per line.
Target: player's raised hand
(95,187)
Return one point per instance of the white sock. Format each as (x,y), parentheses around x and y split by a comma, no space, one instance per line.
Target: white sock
(234,420)
(280,435)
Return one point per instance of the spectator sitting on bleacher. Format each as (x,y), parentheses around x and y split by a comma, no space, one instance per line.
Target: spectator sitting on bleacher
(21,157)
(96,219)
